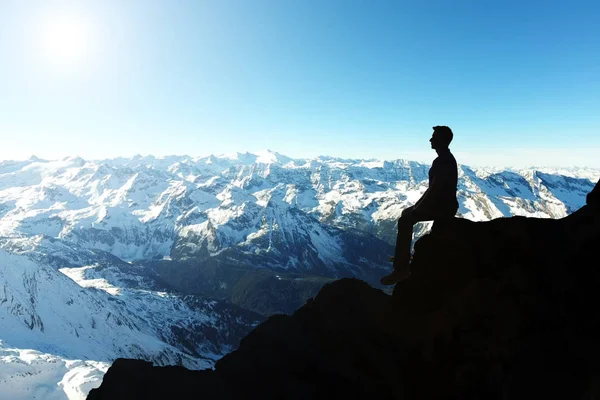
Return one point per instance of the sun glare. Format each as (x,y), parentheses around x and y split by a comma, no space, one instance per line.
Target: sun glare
(64,40)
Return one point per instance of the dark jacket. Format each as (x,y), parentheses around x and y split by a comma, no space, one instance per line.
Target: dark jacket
(440,198)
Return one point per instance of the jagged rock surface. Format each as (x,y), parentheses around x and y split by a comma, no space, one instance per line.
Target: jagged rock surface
(505,309)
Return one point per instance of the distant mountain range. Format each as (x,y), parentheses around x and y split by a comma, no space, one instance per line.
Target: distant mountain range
(143,257)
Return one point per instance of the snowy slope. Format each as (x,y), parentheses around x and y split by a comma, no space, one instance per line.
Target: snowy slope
(30,374)
(65,326)
(42,309)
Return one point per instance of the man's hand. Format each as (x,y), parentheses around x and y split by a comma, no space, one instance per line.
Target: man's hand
(420,201)
(407,211)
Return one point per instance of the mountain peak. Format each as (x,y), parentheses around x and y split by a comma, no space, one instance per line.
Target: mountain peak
(272,157)
(74,160)
(34,158)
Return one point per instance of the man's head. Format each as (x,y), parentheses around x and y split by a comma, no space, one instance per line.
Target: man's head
(441,138)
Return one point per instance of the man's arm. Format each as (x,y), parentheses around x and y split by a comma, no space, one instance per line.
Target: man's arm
(421,200)
(428,199)
(443,175)
(425,196)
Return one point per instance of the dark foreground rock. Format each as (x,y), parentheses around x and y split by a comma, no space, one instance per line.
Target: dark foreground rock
(506,309)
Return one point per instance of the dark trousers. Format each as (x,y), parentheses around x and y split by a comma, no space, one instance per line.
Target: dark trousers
(405,230)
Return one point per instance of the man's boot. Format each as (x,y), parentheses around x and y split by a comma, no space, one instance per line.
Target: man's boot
(400,273)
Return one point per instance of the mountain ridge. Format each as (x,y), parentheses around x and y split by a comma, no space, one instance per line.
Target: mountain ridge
(160,203)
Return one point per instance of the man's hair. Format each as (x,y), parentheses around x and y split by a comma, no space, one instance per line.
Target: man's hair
(444,133)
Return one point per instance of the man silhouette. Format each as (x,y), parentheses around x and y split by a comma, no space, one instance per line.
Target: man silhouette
(437,203)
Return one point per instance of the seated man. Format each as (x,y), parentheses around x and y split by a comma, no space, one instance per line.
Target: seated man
(438,202)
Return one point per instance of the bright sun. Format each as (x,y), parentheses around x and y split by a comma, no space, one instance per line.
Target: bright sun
(64,40)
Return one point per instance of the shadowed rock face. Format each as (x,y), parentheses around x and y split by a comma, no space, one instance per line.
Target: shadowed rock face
(505,309)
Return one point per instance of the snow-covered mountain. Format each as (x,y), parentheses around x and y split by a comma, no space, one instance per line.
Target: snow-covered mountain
(152,208)
(80,242)
(67,312)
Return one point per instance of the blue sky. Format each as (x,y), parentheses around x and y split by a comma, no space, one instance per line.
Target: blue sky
(518,82)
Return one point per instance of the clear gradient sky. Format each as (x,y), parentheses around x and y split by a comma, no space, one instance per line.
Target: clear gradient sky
(517,81)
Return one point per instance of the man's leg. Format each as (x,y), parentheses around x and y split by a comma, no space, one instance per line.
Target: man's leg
(402,251)
(403,242)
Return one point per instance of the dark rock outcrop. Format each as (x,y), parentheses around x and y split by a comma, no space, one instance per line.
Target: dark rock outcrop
(505,309)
